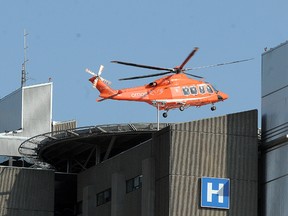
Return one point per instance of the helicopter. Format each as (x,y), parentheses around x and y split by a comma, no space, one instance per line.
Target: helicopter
(174,91)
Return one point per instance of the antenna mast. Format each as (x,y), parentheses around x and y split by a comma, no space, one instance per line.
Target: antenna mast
(24,73)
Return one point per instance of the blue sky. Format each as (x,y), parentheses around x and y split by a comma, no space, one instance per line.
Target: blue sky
(67,36)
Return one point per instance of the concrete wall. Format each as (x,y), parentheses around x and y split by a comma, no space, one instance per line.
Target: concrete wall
(222,147)
(37,109)
(26,192)
(162,145)
(28,108)
(26,112)
(11,112)
(9,145)
(113,174)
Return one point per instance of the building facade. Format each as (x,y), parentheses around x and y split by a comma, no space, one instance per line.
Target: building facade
(274,148)
(205,167)
(26,192)
(163,175)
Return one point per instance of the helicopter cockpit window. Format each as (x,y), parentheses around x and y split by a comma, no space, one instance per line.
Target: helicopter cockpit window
(193,90)
(209,89)
(214,89)
(185,90)
(201,89)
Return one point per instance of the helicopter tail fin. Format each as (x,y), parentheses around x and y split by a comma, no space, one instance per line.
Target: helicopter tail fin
(102,84)
(105,90)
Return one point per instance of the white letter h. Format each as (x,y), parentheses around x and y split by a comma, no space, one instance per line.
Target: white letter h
(220,192)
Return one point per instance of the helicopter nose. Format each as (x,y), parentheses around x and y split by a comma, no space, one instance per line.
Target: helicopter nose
(222,96)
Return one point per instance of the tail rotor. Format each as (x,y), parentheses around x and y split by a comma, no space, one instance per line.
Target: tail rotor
(97,76)
(101,68)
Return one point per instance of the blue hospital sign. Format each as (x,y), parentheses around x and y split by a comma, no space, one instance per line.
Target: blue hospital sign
(215,192)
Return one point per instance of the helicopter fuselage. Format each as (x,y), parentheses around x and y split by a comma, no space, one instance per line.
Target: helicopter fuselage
(169,92)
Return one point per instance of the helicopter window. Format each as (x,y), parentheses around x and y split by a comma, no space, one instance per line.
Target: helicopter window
(201,89)
(209,89)
(214,89)
(193,90)
(185,90)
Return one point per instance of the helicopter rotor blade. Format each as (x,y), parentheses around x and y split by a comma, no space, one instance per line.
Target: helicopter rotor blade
(176,70)
(193,75)
(217,65)
(143,66)
(90,72)
(188,58)
(145,76)
(101,68)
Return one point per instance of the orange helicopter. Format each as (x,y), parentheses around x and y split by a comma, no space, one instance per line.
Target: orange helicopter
(169,92)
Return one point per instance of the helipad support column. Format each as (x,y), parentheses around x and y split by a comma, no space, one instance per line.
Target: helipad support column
(148,187)
(97,154)
(89,200)
(118,194)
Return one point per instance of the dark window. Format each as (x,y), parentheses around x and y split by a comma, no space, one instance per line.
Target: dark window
(104,197)
(185,90)
(193,90)
(133,184)
(14,161)
(209,89)
(201,89)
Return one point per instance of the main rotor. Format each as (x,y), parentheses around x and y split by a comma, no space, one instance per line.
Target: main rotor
(175,70)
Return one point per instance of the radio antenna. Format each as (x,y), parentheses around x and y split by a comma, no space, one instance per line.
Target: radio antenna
(24,73)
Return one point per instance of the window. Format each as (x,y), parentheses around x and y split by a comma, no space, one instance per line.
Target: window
(14,161)
(134,184)
(214,89)
(209,89)
(104,197)
(185,90)
(201,89)
(193,90)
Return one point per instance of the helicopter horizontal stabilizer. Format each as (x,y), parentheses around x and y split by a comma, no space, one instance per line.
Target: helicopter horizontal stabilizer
(102,99)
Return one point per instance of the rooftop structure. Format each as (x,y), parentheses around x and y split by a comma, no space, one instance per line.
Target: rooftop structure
(24,113)
(74,150)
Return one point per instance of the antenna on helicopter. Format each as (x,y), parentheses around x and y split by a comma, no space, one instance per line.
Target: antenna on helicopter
(24,73)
